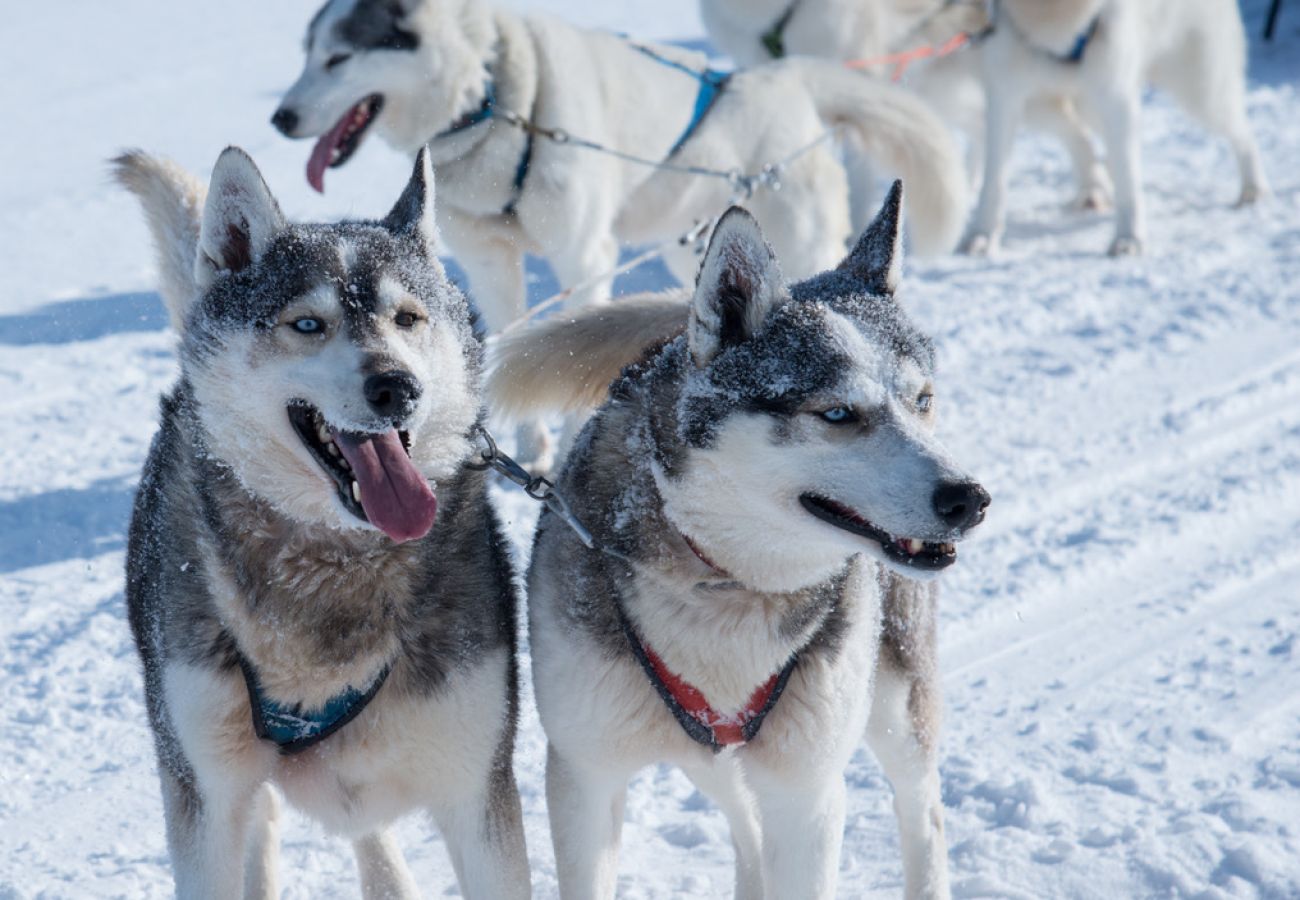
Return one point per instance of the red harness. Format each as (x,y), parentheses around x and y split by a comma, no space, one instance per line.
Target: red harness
(698,719)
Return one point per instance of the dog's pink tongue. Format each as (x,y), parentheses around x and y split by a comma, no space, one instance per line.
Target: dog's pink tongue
(394,494)
(323,152)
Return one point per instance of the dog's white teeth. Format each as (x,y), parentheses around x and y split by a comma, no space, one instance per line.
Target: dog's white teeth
(347,467)
(356,492)
(332,447)
(323,433)
(914,546)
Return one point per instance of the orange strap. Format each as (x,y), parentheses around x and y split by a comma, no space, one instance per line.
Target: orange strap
(900,61)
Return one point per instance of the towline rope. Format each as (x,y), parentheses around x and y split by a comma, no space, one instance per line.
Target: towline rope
(743,186)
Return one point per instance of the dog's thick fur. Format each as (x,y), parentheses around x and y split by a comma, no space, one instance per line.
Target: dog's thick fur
(431,61)
(716,438)
(1194,49)
(876,29)
(243,548)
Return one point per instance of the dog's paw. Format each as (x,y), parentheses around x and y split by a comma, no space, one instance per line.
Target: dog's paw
(1252,194)
(1093,198)
(1126,246)
(979,244)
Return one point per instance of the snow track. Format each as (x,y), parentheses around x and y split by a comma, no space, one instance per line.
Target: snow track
(1120,641)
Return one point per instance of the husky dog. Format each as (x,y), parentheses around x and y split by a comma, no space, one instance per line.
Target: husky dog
(1102,53)
(754,31)
(452,73)
(765,496)
(310,616)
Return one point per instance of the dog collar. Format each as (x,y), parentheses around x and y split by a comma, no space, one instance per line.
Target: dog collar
(291,728)
(701,722)
(485,111)
(773,40)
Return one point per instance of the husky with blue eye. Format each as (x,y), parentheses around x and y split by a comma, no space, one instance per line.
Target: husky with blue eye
(768,507)
(318,587)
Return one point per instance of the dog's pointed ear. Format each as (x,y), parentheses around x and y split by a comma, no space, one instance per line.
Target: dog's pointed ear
(240,218)
(877,259)
(739,283)
(413,214)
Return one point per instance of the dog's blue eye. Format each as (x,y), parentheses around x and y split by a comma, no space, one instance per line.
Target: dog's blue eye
(337,59)
(308,325)
(924,401)
(839,415)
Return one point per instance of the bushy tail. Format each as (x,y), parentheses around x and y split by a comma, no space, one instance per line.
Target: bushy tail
(173,208)
(566,363)
(897,130)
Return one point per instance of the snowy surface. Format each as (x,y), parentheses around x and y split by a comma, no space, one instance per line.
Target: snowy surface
(1120,641)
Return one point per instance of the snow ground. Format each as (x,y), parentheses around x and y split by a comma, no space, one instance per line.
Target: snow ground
(1119,643)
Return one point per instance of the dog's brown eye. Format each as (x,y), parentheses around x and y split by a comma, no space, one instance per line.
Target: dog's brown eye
(337,59)
(406,319)
(924,402)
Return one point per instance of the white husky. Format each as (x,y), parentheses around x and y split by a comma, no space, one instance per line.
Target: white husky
(756,31)
(1102,53)
(446,73)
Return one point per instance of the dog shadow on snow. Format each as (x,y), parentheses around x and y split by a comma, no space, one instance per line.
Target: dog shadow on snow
(84,319)
(69,523)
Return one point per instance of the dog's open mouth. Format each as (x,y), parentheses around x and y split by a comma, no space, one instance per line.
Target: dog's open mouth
(907,551)
(373,473)
(337,145)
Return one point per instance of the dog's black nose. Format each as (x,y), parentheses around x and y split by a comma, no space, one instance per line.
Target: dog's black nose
(961,505)
(392,394)
(286,120)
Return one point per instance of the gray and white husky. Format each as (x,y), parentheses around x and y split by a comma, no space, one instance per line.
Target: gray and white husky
(766,498)
(448,73)
(319,590)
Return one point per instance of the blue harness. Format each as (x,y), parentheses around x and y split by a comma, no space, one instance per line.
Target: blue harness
(1075,56)
(712,83)
(488,110)
(293,730)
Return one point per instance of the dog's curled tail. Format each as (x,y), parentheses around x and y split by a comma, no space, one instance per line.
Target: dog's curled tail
(173,209)
(566,363)
(898,130)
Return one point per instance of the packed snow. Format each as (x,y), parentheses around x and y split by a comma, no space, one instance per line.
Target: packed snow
(1119,640)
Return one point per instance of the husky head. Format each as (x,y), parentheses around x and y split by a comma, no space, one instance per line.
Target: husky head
(372,63)
(802,431)
(332,367)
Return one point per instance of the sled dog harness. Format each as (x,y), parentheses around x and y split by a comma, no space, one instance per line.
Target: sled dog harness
(701,722)
(1077,49)
(488,110)
(293,730)
(712,83)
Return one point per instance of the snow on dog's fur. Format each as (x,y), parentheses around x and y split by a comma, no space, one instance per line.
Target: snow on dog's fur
(285,532)
(410,70)
(768,486)
(1194,49)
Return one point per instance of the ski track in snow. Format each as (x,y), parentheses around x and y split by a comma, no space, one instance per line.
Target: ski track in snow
(1119,639)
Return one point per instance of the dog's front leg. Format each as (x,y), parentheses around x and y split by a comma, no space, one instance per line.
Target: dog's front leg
(803,831)
(261,880)
(1001,118)
(1120,104)
(722,782)
(908,760)
(586,811)
(207,830)
(384,875)
(485,838)
(493,259)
